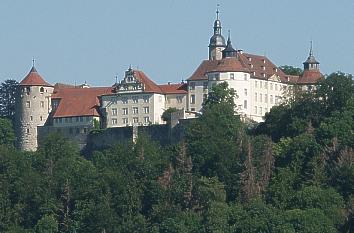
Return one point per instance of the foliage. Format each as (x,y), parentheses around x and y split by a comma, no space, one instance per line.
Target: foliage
(290,70)
(7,134)
(294,173)
(8,90)
(166,115)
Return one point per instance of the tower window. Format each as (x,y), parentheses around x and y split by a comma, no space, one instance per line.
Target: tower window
(41,89)
(31,118)
(27,130)
(41,118)
(28,104)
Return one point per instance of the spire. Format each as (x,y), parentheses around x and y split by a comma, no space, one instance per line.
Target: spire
(311,53)
(229,51)
(311,63)
(228,37)
(217,11)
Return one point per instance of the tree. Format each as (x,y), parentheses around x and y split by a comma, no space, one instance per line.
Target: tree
(290,70)
(8,90)
(7,134)
(212,139)
(166,115)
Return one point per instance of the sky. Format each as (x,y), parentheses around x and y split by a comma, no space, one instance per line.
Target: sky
(77,41)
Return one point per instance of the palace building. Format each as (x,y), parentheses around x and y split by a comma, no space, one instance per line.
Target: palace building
(73,111)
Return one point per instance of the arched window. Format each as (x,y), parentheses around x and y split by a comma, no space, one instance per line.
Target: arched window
(41,89)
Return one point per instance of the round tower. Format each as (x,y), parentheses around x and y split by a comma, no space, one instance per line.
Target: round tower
(32,108)
(217,41)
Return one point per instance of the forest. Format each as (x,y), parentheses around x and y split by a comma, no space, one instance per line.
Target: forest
(292,173)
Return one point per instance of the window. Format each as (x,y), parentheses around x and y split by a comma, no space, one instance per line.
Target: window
(125,120)
(266,85)
(28,104)
(71,130)
(245,104)
(245,91)
(260,111)
(245,77)
(265,98)
(60,120)
(114,112)
(27,130)
(146,110)
(135,119)
(146,99)
(255,109)
(205,96)
(77,130)
(77,119)
(135,99)
(191,86)
(114,100)
(271,86)
(125,111)
(232,76)
(192,99)
(256,84)
(193,109)
(125,100)
(66,120)
(135,110)
(41,89)
(205,85)
(88,119)
(271,99)
(260,84)
(28,90)
(255,97)
(179,99)
(114,121)
(70,120)
(42,104)
(81,119)
(31,118)
(276,87)
(41,118)
(146,119)
(260,97)
(217,76)
(85,130)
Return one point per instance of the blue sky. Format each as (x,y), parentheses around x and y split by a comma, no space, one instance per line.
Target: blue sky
(86,40)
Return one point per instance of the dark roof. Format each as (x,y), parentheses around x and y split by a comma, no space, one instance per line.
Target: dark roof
(34,79)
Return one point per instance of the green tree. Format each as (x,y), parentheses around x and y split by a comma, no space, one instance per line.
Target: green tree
(7,134)
(47,224)
(290,70)
(8,90)
(166,115)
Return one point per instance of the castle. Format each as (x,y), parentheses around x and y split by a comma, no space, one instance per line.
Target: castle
(73,111)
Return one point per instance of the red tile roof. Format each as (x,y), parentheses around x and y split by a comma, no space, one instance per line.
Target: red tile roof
(261,67)
(150,86)
(179,88)
(310,77)
(230,64)
(258,66)
(78,101)
(34,79)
